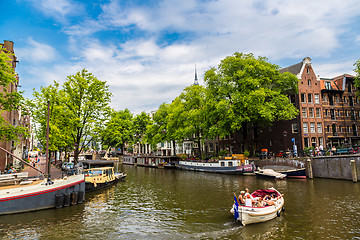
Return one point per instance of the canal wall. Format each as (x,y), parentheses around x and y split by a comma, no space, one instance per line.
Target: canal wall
(337,167)
(344,167)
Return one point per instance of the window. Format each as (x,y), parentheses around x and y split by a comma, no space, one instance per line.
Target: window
(337,99)
(305,128)
(340,129)
(325,98)
(303,99)
(311,112)
(304,113)
(310,100)
(348,129)
(319,128)
(345,100)
(328,85)
(347,113)
(222,164)
(312,127)
(318,112)
(332,114)
(326,113)
(294,128)
(309,83)
(352,113)
(313,142)
(306,142)
(331,100)
(339,113)
(230,164)
(317,98)
(349,87)
(328,128)
(292,99)
(321,141)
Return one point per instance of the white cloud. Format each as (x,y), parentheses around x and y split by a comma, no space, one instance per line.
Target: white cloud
(58,9)
(36,52)
(148,65)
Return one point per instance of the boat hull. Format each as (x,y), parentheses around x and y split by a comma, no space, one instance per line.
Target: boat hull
(40,196)
(296,173)
(239,170)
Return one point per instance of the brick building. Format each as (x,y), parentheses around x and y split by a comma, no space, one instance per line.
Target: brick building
(341,111)
(12,117)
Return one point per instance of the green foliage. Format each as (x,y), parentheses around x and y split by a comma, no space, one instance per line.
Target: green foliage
(119,129)
(9,101)
(223,153)
(357,77)
(246,153)
(244,90)
(77,111)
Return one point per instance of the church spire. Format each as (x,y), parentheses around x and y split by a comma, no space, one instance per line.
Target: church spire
(196,81)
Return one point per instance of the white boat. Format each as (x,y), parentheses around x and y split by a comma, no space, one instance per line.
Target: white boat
(270,173)
(248,215)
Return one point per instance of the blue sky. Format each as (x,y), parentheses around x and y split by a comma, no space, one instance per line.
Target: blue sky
(147,50)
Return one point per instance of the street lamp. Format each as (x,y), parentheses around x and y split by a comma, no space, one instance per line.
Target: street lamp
(285,134)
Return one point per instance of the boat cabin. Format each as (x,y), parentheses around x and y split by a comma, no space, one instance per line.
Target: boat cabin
(99,175)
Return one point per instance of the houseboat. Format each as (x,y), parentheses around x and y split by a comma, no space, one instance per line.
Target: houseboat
(36,195)
(227,166)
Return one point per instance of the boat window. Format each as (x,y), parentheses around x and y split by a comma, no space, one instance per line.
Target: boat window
(93,173)
(230,164)
(222,164)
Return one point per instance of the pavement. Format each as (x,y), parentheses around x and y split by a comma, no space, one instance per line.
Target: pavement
(54,171)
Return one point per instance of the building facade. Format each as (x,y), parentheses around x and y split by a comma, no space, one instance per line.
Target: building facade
(13,117)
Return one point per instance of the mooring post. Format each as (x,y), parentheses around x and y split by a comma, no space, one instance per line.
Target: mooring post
(353,170)
(309,168)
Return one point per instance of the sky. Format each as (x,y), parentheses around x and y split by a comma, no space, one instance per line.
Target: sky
(147,50)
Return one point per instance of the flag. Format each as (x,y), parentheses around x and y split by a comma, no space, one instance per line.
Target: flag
(236,208)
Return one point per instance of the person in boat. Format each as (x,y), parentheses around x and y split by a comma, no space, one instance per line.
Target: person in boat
(268,201)
(249,202)
(242,198)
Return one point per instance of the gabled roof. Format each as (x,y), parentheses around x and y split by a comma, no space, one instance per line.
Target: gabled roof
(297,69)
(294,69)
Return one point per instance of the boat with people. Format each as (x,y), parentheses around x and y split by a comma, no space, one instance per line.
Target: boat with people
(101,177)
(270,173)
(227,166)
(260,206)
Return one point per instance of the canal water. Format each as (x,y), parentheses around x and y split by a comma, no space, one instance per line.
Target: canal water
(174,204)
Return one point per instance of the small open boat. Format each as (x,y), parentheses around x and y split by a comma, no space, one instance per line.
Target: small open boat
(98,178)
(269,173)
(248,215)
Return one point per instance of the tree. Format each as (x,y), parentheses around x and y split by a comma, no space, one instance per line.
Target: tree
(140,123)
(59,128)
(187,115)
(357,77)
(10,101)
(87,104)
(244,90)
(118,130)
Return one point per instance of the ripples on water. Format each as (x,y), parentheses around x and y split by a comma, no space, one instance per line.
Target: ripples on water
(170,204)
